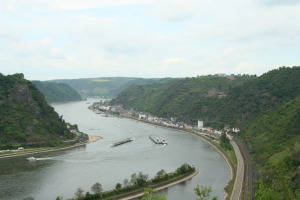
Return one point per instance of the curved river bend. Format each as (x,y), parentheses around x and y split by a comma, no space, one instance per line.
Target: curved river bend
(61,173)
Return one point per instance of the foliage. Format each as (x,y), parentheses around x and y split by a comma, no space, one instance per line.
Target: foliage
(79,193)
(265,108)
(203,192)
(118,186)
(26,118)
(151,194)
(217,100)
(274,141)
(97,188)
(225,142)
(186,99)
(185,168)
(57,92)
(136,185)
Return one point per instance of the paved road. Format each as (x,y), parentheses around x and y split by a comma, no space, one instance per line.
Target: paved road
(239,179)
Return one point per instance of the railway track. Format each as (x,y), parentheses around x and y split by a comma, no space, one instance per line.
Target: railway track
(247,192)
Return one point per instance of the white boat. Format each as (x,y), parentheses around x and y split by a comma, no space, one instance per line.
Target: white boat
(31,159)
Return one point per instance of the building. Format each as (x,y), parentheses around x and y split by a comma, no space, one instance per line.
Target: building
(200,124)
(236,130)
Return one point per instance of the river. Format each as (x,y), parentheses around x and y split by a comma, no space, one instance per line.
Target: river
(61,173)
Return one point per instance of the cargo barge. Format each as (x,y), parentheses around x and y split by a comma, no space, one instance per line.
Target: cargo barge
(157,140)
(122,142)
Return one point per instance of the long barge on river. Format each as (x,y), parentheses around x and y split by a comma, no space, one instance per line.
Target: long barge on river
(122,142)
(157,140)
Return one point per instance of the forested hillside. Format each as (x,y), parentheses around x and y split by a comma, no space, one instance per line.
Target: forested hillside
(219,101)
(274,139)
(25,116)
(57,92)
(108,87)
(187,99)
(266,108)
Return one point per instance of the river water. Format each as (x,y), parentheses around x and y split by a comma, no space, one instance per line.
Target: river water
(61,173)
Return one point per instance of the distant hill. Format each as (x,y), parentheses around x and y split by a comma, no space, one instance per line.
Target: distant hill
(219,101)
(108,87)
(25,116)
(187,99)
(57,92)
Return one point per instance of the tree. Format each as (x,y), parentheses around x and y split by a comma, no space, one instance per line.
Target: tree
(125,182)
(118,186)
(161,173)
(142,178)
(151,194)
(79,193)
(97,188)
(133,179)
(203,192)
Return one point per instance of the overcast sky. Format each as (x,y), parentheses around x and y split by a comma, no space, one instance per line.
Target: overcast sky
(54,39)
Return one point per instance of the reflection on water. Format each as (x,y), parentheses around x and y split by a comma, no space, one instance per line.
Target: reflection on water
(61,173)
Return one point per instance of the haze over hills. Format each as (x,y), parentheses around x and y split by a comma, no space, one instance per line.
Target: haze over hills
(25,115)
(57,92)
(108,87)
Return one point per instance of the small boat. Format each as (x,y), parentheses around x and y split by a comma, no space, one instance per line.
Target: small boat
(31,159)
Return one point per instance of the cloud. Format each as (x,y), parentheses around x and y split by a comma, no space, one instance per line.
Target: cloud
(148,38)
(173,60)
(279,2)
(47,5)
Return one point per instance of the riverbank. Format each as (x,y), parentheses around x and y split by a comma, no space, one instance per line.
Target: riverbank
(164,186)
(43,150)
(215,146)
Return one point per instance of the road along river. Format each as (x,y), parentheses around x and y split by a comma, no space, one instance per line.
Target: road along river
(61,173)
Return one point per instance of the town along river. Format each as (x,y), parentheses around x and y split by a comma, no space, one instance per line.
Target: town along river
(60,173)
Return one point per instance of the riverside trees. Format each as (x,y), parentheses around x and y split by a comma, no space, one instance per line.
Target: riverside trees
(135,185)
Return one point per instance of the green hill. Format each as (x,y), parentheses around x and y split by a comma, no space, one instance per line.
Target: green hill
(266,108)
(219,101)
(187,99)
(274,139)
(25,115)
(108,87)
(57,92)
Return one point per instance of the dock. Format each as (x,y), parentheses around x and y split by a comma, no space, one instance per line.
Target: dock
(122,142)
(157,140)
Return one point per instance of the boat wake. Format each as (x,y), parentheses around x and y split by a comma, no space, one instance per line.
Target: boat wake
(49,158)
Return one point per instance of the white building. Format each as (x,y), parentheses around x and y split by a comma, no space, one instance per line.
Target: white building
(200,124)
(236,130)
(142,116)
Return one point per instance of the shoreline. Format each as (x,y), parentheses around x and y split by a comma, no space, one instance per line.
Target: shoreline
(159,188)
(91,139)
(220,151)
